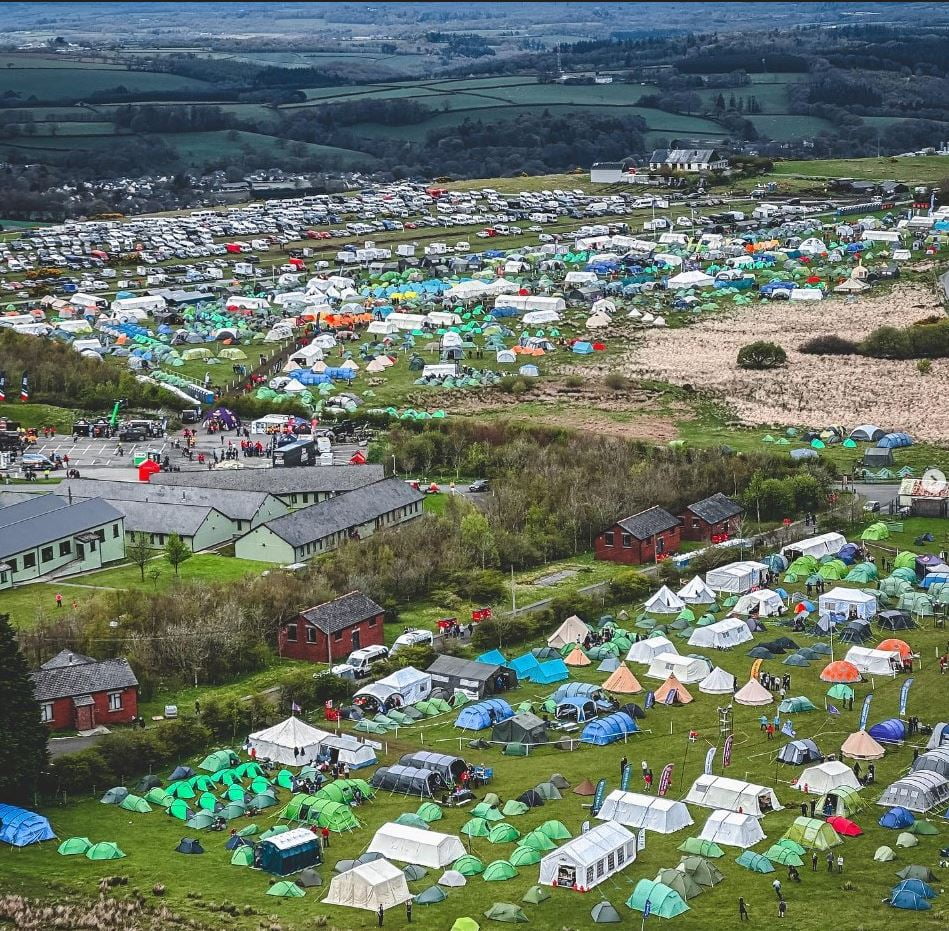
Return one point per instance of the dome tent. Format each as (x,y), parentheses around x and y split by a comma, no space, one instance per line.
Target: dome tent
(812,834)
(663,901)
(798,752)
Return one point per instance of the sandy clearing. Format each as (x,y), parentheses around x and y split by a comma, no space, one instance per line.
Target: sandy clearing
(811,389)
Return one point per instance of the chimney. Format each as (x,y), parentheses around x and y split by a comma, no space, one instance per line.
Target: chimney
(72,659)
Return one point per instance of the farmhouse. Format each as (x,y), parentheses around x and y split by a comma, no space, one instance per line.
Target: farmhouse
(713,519)
(295,487)
(332,630)
(644,537)
(318,529)
(47,534)
(690,160)
(244,510)
(78,692)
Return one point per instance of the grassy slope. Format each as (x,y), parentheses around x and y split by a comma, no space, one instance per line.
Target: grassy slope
(856,895)
(916,168)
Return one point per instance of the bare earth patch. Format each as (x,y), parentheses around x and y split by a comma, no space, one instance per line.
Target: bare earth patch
(816,390)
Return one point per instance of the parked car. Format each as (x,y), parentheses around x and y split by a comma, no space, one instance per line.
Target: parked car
(480,485)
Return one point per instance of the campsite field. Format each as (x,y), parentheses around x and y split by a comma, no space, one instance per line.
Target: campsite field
(194,888)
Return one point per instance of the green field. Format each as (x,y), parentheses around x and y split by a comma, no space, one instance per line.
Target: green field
(917,168)
(73,83)
(149,839)
(788,127)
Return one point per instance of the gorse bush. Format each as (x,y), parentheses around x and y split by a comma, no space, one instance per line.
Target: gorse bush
(829,345)
(761,355)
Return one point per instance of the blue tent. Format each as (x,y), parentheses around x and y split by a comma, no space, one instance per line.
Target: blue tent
(576,690)
(582,348)
(897,819)
(895,440)
(492,658)
(606,730)
(848,553)
(484,714)
(916,887)
(553,670)
(19,827)
(524,665)
(576,706)
(908,900)
(891,731)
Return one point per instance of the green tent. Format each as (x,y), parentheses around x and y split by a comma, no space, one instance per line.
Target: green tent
(468,865)
(703,871)
(158,796)
(104,850)
(204,783)
(247,831)
(429,812)
(512,808)
(503,833)
(841,692)
(486,811)
(788,844)
(243,856)
(274,831)
(236,793)
(234,810)
(845,800)
(862,573)
(663,901)
(200,821)
(923,829)
(431,896)
(538,840)
(683,883)
(525,856)
(756,862)
(135,803)
(74,846)
(181,790)
(465,924)
(702,848)
(334,816)
(412,820)
(260,784)
(286,889)
(476,827)
(505,911)
(216,761)
(812,834)
(876,531)
(497,871)
(535,895)
(263,800)
(905,560)
(180,810)
(555,830)
(284,779)
(797,705)
(905,839)
(833,570)
(249,769)
(208,801)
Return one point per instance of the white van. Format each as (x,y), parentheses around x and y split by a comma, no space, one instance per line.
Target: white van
(359,663)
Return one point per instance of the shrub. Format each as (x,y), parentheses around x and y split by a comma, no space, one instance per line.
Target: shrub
(573,381)
(485,586)
(761,355)
(616,381)
(829,345)
(887,342)
(629,585)
(924,366)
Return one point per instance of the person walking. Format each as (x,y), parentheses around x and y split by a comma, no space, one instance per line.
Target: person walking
(813,861)
(830,861)
(782,908)
(776,885)
(840,863)
(623,763)
(381,914)
(742,909)
(408,910)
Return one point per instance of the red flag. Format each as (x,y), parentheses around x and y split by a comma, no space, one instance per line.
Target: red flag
(727,751)
(665,779)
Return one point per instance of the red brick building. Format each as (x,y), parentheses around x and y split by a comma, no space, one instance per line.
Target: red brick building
(329,632)
(77,692)
(712,519)
(645,537)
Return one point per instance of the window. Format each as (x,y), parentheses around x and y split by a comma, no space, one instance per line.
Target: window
(115,701)
(292,633)
(115,531)
(627,540)
(372,622)
(600,870)
(695,523)
(611,862)
(620,856)
(12,564)
(608,538)
(29,560)
(46,712)
(660,545)
(239,524)
(306,498)
(65,548)
(311,635)
(293,499)
(589,875)
(100,533)
(46,554)
(338,635)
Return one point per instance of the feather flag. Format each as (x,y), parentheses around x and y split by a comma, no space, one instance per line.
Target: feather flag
(25,387)
(833,709)
(3,387)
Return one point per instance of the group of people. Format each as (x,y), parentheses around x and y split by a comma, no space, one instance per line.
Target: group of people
(597,638)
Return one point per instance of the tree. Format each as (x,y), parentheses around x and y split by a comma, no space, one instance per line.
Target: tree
(478,538)
(22,735)
(139,552)
(177,552)
(761,355)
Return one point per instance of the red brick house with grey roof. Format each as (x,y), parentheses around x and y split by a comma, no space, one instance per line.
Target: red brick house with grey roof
(645,537)
(329,632)
(713,519)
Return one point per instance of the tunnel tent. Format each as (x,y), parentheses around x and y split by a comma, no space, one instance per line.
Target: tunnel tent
(513,808)
(933,761)
(663,901)
(732,829)
(701,848)
(890,731)
(342,748)
(756,862)
(448,767)
(413,845)
(785,856)
(412,820)
(720,792)
(635,810)
(608,729)
(135,803)
(369,886)
(484,714)
(406,780)
(918,792)
(812,834)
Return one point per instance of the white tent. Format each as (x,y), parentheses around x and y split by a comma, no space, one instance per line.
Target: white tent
(718,682)
(645,651)
(278,743)
(693,279)
(536,317)
(402,687)
(596,321)
(767,603)
(827,776)
(919,792)
(824,544)
(722,635)
(415,845)
(732,829)
(664,601)
(452,879)
(736,578)
(807,294)
(368,886)
(731,794)
(686,669)
(753,694)
(812,246)
(572,630)
(847,601)
(590,858)
(345,749)
(875,662)
(662,815)
(696,592)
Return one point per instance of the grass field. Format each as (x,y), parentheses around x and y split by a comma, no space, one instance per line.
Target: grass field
(918,168)
(788,127)
(193,887)
(73,83)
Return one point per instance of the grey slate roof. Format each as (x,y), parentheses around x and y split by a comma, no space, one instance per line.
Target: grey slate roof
(648,523)
(237,505)
(66,658)
(81,677)
(279,481)
(341,612)
(149,517)
(716,508)
(342,512)
(459,668)
(30,524)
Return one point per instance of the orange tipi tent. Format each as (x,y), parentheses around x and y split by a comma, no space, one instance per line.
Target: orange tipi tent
(861,746)
(577,658)
(672,683)
(622,682)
